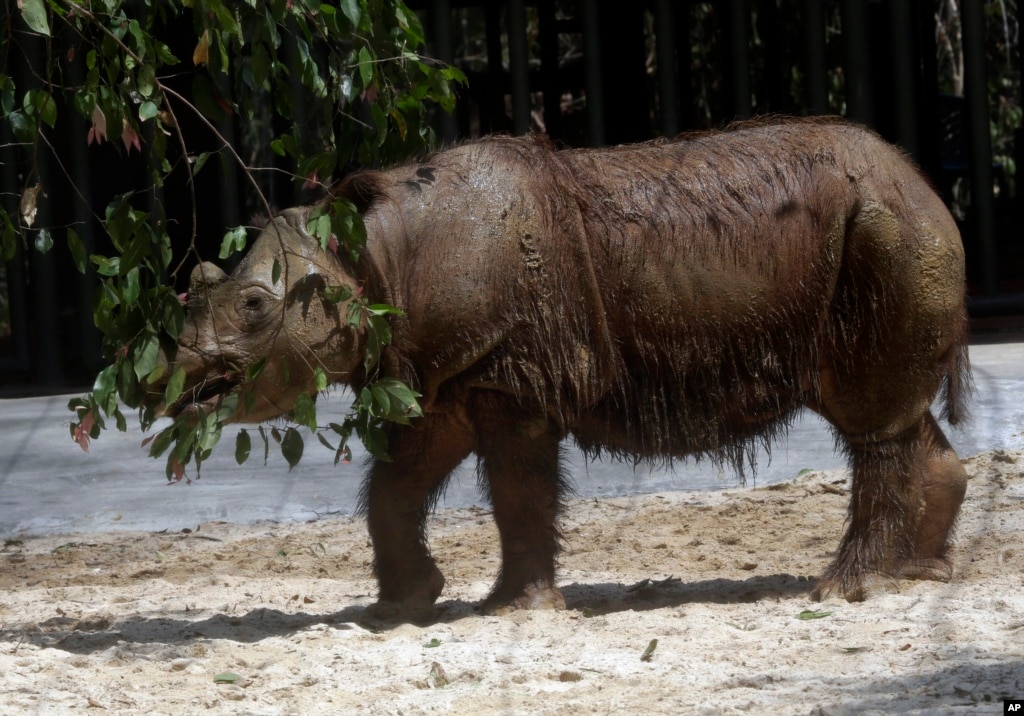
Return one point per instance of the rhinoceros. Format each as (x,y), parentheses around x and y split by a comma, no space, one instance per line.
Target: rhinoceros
(652,301)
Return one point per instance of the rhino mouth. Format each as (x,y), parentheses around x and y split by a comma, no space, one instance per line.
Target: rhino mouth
(204,395)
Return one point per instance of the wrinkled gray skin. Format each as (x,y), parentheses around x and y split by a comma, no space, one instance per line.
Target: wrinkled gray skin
(653,301)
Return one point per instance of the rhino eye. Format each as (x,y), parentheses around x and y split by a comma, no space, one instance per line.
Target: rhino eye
(253,305)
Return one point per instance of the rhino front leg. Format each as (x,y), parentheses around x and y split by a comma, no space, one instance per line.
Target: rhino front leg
(520,469)
(397,497)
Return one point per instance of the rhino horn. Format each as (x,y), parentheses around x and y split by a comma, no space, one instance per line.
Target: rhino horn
(204,277)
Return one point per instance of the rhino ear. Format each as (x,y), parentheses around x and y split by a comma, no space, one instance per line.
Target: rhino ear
(362,188)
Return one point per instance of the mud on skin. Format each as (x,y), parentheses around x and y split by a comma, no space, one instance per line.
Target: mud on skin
(652,301)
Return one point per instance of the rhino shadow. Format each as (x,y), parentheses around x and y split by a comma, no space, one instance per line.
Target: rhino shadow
(85,637)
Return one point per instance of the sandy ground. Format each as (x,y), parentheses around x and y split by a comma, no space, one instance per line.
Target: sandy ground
(269,619)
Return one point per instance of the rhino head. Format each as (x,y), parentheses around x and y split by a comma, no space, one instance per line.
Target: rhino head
(266,328)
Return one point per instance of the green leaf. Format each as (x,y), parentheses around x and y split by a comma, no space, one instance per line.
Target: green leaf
(365,67)
(104,384)
(34,14)
(400,400)
(337,294)
(200,162)
(77,249)
(266,444)
(304,412)
(146,82)
(42,102)
(275,272)
(375,440)
(233,242)
(7,94)
(131,288)
(243,446)
(649,651)
(811,614)
(292,447)
(147,110)
(226,677)
(255,370)
(352,11)
(146,355)
(162,441)
(175,385)
(156,374)
(321,379)
(43,242)
(324,441)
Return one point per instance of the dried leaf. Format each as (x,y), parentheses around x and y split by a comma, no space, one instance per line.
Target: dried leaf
(28,204)
(201,55)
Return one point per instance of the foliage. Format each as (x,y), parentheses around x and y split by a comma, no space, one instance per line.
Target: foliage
(343,83)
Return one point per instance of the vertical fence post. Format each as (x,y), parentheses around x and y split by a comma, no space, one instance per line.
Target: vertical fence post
(441,24)
(592,74)
(979,142)
(813,38)
(856,46)
(519,66)
(665,41)
(737,60)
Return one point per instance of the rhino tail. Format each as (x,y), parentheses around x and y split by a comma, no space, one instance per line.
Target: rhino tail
(957,383)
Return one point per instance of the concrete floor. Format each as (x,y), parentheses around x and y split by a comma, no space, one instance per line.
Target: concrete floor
(48,485)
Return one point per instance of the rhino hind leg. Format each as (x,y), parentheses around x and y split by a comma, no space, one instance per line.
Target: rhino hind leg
(397,498)
(905,497)
(519,468)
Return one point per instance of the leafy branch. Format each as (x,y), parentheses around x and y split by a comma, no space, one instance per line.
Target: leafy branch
(346,85)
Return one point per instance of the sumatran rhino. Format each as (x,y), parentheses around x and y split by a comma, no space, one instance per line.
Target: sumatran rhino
(653,301)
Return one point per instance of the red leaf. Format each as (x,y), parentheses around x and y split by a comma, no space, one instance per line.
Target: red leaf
(130,138)
(98,130)
(83,429)
(177,470)
(82,438)
(312,181)
(370,94)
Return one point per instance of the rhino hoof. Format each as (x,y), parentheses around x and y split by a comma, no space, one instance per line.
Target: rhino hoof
(412,612)
(935,569)
(532,597)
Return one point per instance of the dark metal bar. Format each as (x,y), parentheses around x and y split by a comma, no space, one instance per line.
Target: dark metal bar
(856,46)
(441,25)
(665,41)
(592,74)
(813,37)
(738,58)
(494,99)
(549,67)
(979,141)
(998,305)
(901,35)
(519,69)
